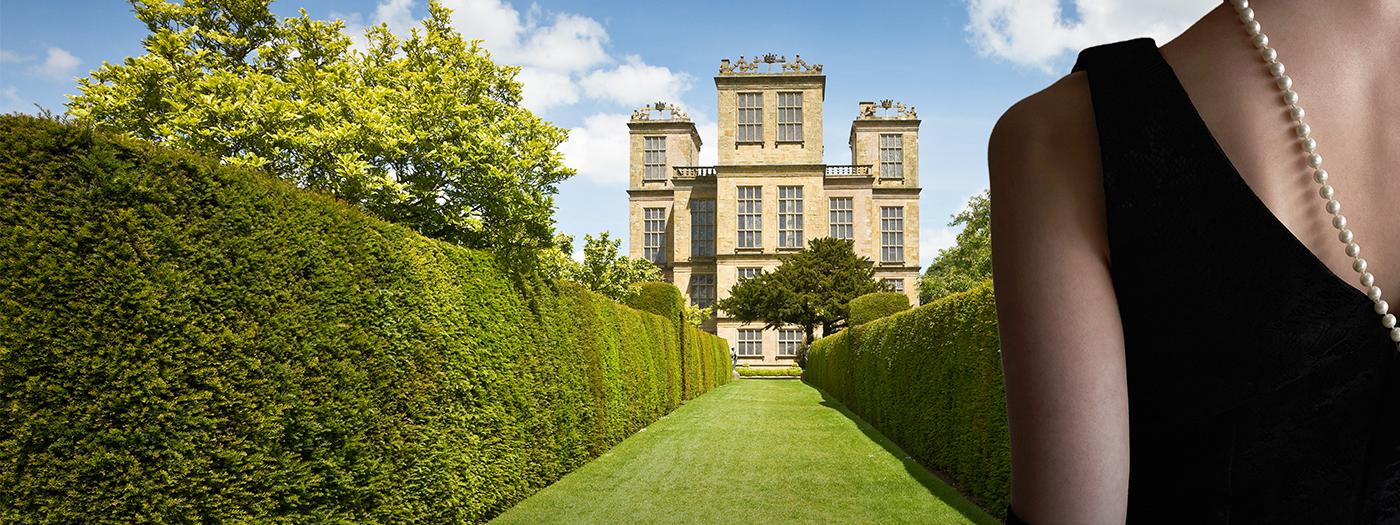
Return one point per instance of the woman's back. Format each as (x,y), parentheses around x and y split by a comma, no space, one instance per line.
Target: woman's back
(1137,268)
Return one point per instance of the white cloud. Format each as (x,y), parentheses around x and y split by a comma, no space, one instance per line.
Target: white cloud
(598,149)
(7,56)
(544,89)
(1036,33)
(709,142)
(634,83)
(58,65)
(931,240)
(396,14)
(10,101)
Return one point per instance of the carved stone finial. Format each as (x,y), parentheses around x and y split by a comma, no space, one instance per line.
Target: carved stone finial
(660,108)
(891,109)
(725,67)
(744,65)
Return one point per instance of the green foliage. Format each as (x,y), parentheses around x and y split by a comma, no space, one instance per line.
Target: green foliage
(792,371)
(698,315)
(704,356)
(931,381)
(968,262)
(809,288)
(184,340)
(605,271)
(872,306)
(660,298)
(425,131)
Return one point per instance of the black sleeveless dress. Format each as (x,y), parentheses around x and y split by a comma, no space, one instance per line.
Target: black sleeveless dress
(1261,386)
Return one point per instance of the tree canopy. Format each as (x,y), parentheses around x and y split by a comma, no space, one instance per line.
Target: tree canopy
(809,288)
(426,131)
(606,271)
(968,262)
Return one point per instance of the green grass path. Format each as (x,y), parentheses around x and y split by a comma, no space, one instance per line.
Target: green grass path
(752,451)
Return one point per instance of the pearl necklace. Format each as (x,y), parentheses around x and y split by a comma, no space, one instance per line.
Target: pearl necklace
(1333,207)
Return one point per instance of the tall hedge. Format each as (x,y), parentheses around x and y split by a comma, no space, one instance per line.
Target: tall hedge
(872,306)
(183,341)
(703,355)
(930,379)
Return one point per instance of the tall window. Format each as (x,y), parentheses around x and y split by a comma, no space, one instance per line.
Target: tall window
(750,118)
(843,217)
(749,273)
(788,341)
(750,342)
(892,234)
(891,156)
(654,158)
(702,290)
(750,215)
(702,228)
(654,234)
(897,284)
(789,216)
(790,117)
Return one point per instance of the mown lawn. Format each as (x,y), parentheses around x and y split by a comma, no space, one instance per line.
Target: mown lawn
(752,451)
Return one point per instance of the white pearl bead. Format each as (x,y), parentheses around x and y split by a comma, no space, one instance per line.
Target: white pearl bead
(1284,82)
(1395,334)
(1359,265)
(1315,160)
(1309,145)
(1382,308)
(1270,54)
(1374,293)
(1325,191)
(1334,207)
(1304,130)
(1276,69)
(1388,321)
(1367,279)
(1290,97)
(1345,235)
(1296,112)
(1320,175)
(1247,14)
(1240,4)
(1353,249)
(1261,40)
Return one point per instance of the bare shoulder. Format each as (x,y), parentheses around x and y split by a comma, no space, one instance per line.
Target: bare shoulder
(1055,124)
(1057,315)
(1043,160)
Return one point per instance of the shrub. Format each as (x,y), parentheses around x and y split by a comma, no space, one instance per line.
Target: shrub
(181,340)
(792,371)
(872,306)
(931,381)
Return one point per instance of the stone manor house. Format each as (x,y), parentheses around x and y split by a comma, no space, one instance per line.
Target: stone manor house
(708,227)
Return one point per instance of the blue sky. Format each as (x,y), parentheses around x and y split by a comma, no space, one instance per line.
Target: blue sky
(588,64)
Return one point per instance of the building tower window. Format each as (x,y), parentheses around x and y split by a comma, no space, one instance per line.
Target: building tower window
(750,342)
(843,217)
(654,158)
(702,290)
(749,273)
(789,216)
(654,234)
(896,284)
(750,215)
(789,339)
(702,228)
(891,234)
(790,117)
(750,118)
(891,156)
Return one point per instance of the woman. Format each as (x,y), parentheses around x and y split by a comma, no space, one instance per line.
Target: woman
(1184,338)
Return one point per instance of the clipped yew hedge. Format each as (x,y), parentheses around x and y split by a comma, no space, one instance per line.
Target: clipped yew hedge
(872,306)
(704,356)
(930,379)
(187,342)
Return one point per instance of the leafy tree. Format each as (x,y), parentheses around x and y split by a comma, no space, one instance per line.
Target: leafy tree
(809,288)
(697,315)
(425,131)
(607,272)
(968,262)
